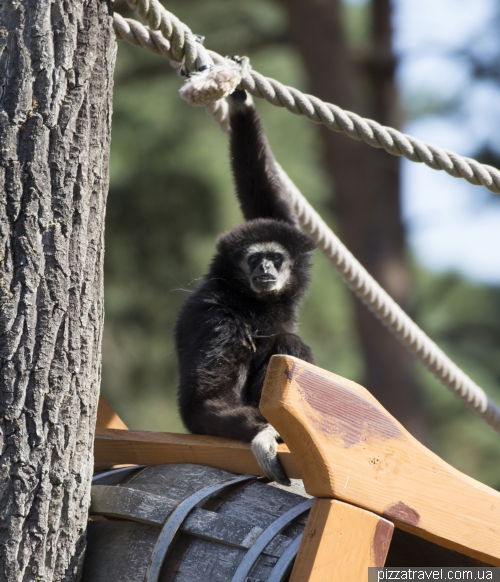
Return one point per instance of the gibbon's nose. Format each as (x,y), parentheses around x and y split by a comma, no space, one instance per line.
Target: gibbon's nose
(266,266)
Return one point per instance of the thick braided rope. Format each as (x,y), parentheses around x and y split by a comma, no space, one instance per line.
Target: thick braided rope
(389,312)
(184,47)
(353,273)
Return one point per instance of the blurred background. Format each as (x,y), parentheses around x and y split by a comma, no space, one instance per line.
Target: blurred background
(429,68)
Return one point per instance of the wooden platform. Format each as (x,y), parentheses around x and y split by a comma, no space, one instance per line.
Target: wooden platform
(346,447)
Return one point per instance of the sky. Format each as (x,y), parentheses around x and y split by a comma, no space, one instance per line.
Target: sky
(451,224)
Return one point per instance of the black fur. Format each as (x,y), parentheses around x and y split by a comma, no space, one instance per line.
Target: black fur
(257,183)
(226,333)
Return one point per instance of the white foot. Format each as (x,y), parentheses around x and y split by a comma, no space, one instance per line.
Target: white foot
(264,447)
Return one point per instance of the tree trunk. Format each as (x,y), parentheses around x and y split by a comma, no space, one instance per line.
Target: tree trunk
(56,66)
(366,184)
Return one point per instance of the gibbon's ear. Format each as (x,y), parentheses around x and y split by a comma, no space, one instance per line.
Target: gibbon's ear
(259,188)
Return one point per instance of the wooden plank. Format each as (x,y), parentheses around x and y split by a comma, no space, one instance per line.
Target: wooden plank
(107,417)
(112,501)
(115,447)
(117,551)
(142,507)
(349,447)
(340,542)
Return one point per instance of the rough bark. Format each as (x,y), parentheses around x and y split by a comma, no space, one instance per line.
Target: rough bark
(366,183)
(56,65)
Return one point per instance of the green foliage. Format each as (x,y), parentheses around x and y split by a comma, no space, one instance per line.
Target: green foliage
(464,319)
(163,204)
(171,195)
(357,23)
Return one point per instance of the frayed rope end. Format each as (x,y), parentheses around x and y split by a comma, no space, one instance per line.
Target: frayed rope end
(212,84)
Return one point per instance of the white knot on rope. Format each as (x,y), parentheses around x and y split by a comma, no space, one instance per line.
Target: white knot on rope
(214,82)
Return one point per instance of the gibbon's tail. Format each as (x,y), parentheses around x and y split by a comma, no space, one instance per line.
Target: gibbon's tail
(258,186)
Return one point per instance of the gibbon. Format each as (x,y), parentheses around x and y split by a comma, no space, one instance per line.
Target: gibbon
(245,311)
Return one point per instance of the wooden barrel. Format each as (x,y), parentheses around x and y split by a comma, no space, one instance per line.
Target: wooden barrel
(190,523)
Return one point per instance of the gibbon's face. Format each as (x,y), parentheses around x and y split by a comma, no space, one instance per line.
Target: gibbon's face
(268,267)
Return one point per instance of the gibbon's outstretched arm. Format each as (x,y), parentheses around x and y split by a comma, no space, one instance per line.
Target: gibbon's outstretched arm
(259,188)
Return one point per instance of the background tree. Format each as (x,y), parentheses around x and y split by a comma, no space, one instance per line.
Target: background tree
(56,65)
(366,182)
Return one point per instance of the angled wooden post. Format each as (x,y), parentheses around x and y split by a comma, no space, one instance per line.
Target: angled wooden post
(348,447)
(107,417)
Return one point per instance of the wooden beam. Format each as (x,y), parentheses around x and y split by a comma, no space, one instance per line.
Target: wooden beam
(340,542)
(107,417)
(349,447)
(115,447)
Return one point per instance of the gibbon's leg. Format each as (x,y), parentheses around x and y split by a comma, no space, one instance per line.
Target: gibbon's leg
(290,344)
(287,344)
(264,445)
(231,419)
(226,417)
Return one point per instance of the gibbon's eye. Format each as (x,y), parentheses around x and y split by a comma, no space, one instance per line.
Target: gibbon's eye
(254,260)
(277,259)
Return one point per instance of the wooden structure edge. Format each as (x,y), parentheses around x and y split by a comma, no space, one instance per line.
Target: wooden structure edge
(348,447)
(345,446)
(137,447)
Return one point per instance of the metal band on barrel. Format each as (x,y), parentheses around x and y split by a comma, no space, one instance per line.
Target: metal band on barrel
(284,564)
(175,520)
(266,537)
(100,476)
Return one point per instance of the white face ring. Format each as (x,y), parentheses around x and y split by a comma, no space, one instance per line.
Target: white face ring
(283,273)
